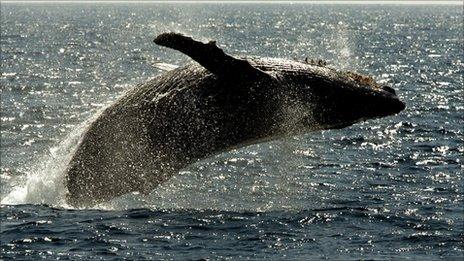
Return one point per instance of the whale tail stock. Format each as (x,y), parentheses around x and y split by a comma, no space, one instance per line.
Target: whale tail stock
(211,57)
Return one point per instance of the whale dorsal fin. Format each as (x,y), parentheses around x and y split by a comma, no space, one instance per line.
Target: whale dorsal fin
(208,55)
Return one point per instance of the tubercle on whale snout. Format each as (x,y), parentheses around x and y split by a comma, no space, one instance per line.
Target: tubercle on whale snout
(388,89)
(383,102)
(392,102)
(384,98)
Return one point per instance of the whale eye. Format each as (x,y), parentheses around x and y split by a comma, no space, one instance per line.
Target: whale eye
(388,89)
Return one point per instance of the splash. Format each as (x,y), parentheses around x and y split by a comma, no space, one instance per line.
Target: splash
(45,183)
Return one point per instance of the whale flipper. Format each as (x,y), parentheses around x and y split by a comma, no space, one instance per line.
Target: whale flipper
(211,57)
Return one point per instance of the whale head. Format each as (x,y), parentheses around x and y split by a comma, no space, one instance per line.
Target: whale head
(340,99)
(310,97)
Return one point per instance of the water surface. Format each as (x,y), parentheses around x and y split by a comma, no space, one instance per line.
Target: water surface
(381,189)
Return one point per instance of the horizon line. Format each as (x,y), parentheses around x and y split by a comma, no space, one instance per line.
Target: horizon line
(368,2)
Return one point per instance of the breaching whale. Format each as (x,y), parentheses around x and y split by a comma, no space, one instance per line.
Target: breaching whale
(214,104)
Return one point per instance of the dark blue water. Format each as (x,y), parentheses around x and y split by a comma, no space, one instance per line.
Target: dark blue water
(383,189)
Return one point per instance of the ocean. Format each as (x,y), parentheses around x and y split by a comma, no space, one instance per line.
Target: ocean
(389,188)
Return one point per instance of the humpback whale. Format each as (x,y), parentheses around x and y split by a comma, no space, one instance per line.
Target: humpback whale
(215,103)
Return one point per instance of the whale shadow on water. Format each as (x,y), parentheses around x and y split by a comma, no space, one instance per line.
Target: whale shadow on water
(212,105)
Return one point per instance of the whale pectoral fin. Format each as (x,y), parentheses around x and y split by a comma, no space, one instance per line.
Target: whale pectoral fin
(208,55)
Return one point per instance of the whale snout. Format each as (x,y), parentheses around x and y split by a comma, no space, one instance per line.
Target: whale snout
(398,106)
(390,103)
